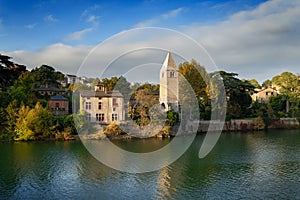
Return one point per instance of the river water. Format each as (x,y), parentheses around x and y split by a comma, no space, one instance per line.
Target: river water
(257,165)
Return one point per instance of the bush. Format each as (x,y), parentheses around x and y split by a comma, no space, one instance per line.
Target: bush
(258,123)
(112,130)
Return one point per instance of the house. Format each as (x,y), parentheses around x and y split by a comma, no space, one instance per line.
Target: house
(71,78)
(59,105)
(264,94)
(102,106)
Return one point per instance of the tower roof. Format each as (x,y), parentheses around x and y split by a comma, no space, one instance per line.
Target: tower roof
(169,62)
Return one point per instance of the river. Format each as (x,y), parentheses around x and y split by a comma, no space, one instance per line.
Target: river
(257,165)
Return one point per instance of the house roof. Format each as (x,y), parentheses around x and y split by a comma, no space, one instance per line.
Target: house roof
(267,89)
(90,93)
(53,89)
(71,75)
(58,97)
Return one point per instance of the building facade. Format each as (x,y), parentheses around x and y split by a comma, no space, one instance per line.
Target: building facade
(103,106)
(59,105)
(168,92)
(264,95)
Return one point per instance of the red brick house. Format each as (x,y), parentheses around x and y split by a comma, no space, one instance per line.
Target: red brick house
(59,105)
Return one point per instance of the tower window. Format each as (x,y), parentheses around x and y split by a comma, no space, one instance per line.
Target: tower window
(162,75)
(172,74)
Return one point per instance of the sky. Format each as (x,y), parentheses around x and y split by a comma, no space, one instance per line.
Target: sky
(253,38)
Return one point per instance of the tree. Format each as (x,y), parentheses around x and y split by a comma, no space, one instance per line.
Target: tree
(33,124)
(46,76)
(172,117)
(144,99)
(9,71)
(288,83)
(22,90)
(278,103)
(255,83)
(11,117)
(109,83)
(267,84)
(124,87)
(265,111)
(237,94)
(197,76)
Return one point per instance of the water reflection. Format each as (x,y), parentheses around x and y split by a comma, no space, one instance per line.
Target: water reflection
(256,165)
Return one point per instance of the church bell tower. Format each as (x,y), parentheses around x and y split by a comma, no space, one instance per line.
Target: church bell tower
(168,92)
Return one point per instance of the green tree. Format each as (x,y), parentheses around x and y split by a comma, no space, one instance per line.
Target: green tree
(109,83)
(22,90)
(267,83)
(11,117)
(265,111)
(288,83)
(237,94)
(278,104)
(172,117)
(33,124)
(255,83)
(124,87)
(197,76)
(46,76)
(9,72)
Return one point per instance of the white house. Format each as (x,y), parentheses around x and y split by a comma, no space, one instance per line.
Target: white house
(102,106)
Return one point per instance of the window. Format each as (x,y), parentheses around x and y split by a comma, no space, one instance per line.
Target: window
(267,93)
(57,105)
(172,74)
(115,103)
(88,105)
(99,105)
(88,116)
(114,109)
(114,117)
(272,93)
(162,75)
(100,117)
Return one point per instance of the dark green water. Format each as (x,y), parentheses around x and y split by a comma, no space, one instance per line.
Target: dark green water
(241,166)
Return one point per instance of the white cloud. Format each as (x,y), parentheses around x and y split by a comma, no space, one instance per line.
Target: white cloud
(93,19)
(63,57)
(155,20)
(258,43)
(30,26)
(172,13)
(89,10)
(78,35)
(50,18)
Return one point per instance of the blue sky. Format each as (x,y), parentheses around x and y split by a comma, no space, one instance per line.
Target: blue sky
(31,25)
(242,36)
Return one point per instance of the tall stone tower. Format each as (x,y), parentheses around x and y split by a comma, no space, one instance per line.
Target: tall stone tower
(168,92)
